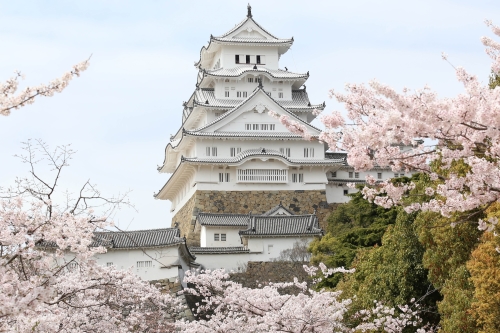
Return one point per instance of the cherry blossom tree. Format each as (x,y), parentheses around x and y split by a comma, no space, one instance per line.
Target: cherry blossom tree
(42,287)
(442,132)
(9,100)
(226,306)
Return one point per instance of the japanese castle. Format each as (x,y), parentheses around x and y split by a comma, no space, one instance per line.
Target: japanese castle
(229,156)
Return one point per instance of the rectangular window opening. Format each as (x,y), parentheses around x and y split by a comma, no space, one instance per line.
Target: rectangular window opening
(216,237)
(258,59)
(247,59)
(379,175)
(350,174)
(223,237)
(237,58)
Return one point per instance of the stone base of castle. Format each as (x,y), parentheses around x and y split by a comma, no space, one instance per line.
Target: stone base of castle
(244,202)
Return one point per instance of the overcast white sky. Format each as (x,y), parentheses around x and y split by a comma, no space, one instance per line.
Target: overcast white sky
(119,115)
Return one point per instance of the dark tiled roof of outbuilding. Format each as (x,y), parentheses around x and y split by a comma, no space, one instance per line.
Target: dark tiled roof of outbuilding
(218,250)
(212,219)
(133,239)
(283,226)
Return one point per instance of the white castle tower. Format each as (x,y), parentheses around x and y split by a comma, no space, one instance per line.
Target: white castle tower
(229,155)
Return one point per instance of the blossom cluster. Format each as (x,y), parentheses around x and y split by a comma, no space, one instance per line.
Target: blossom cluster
(9,100)
(380,122)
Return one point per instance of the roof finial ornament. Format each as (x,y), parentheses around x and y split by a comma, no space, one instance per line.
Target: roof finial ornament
(249,11)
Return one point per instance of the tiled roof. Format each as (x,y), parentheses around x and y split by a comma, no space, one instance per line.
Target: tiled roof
(275,209)
(240,70)
(237,26)
(336,155)
(218,250)
(134,239)
(259,88)
(202,95)
(279,135)
(300,100)
(252,40)
(258,152)
(283,225)
(236,220)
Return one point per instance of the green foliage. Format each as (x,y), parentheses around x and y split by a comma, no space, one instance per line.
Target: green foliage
(447,250)
(392,273)
(494,81)
(352,226)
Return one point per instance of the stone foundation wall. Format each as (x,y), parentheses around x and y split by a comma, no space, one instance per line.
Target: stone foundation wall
(172,287)
(243,202)
(263,272)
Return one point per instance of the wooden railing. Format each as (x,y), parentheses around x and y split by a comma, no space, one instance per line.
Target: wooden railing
(262,175)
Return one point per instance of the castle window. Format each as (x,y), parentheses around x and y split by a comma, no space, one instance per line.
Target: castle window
(250,79)
(237,59)
(346,192)
(379,175)
(238,94)
(356,175)
(109,264)
(223,237)
(72,266)
(280,95)
(234,151)
(258,59)
(141,264)
(334,174)
(247,59)
(297,177)
(285,151)
(211,150)
(216,237)
(255,127)
(308,152)
(224,177)
(245,94)
(350,174)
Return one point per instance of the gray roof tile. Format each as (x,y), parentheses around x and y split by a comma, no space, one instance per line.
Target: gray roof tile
(240,70)
(283,225)
(276,208)
(300,100)
(133,239)
(218,250)
(259,152)
(211,219)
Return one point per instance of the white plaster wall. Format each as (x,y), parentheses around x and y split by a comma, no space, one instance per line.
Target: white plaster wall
(224,146)
(125,259)
(270,84)
(231,262)
(232,236)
